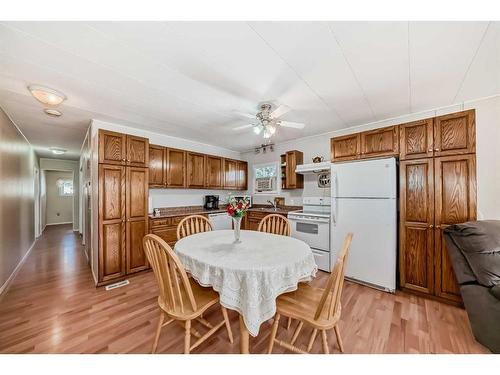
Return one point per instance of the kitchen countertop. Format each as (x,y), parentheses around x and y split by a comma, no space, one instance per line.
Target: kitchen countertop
(166,212)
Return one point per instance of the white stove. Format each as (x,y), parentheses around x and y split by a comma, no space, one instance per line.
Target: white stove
(312,225)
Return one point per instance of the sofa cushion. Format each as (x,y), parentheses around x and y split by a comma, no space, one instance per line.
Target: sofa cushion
(496,291)
(479,242)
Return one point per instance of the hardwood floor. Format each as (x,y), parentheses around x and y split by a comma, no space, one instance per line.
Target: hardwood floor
(53,306)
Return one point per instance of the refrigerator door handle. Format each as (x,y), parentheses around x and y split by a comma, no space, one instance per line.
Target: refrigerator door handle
(334,211)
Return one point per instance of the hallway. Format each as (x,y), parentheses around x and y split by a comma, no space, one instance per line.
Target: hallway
(52,306)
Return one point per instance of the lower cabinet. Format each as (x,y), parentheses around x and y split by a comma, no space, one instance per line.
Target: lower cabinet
(434,193)
(166,228)
(123,221)
(253,218)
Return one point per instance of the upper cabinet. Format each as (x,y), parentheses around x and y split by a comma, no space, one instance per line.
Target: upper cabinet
(416,139)
(293,180)
(157,166)
(137,151)
(230,174)
(123,149)
(345,148)
(455,134)
(175,168)
(112,147)
(195,170)
(242,167)
(380,142)
(215,174)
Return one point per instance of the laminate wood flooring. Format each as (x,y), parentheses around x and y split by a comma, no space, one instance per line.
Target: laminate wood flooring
(52,306)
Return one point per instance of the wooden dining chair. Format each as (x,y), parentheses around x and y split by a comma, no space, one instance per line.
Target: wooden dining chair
(316,307)
(181,299)
(191,225)
(276,224)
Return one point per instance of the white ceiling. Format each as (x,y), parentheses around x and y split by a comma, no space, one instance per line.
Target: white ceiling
(191,79)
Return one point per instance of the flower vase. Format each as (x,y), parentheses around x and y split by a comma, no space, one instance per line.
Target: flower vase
(236,227)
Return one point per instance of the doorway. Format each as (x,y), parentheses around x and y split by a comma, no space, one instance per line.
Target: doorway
(56,197)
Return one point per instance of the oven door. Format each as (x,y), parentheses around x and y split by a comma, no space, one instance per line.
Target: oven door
(315,232)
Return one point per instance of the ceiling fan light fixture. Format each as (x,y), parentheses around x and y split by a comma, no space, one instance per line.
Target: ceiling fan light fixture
(46,95)
(257,129)
(267,133)
(272,129)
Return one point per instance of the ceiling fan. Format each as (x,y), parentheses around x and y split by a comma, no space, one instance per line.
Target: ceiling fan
(268,120)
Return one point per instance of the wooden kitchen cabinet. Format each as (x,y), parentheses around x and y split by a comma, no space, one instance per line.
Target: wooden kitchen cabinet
(293,180)
(137,151)
(416,261)
(215,175)
(455,134)
(242,168)
(380,142)
(112,147)
(157,166)
(176,168)
(345,148)
(136,218)
(416,139)
(112,181)
(123,149)
(230,174)
(195,170)
(455,202)
(166,228)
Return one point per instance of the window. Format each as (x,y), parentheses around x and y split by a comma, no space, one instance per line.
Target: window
(265,176)
(65,188)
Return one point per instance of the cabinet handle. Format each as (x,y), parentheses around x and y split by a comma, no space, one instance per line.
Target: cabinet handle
(430,150)
(438,226)
(431,226)
(436,149)
(124,159)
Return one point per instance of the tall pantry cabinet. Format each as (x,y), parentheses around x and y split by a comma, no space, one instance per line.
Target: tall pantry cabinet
(123,204)
(437,189)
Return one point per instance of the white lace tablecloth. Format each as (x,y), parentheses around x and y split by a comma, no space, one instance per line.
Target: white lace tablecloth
(249,275)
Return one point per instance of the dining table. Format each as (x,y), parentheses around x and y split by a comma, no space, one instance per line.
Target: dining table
(248,275)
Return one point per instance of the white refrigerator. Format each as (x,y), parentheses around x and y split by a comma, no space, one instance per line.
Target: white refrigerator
(364,202)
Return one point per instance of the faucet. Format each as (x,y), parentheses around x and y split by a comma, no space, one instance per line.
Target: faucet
(272,204)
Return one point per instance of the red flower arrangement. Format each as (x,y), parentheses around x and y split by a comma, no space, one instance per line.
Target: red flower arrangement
(237,207)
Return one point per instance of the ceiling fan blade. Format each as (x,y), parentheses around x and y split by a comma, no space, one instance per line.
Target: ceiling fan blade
(242,127)
(280,111)
(290,124)
(247,115)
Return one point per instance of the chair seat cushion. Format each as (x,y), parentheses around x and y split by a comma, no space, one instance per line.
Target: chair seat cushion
(479,242)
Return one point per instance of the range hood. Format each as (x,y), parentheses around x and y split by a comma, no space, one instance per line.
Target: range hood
(313,168)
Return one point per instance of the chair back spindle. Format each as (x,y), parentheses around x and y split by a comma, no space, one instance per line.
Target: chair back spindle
(275,224)
(335,283)
(193,224)
(171,277)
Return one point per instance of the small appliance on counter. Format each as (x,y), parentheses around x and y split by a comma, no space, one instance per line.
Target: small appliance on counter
(211,202)
(249,197)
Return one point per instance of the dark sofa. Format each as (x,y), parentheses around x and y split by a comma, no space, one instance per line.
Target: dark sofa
(474,250)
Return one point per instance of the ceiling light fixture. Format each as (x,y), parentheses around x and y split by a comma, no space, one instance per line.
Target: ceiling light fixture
(57,150)
(47,95)
(52,112)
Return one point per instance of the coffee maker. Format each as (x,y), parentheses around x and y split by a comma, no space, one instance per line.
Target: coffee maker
(211,202)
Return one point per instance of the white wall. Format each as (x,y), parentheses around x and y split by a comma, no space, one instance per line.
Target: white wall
(43,199)
(487,152)
(67,165)
(59,208)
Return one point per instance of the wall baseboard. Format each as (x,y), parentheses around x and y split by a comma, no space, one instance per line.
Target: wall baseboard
(64,222)
(6,284)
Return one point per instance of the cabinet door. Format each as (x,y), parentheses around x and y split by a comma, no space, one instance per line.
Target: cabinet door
(157,166)
(416,139)
(137,151)
(196,170)
(242,175)
(111,222)
(214,172)
(455,134)
(137,218)
(230,174)
(167,234)
(112,147)
(345,148)
(176,168)
(416,225)
(294,180)
(380,142)
(455,202)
